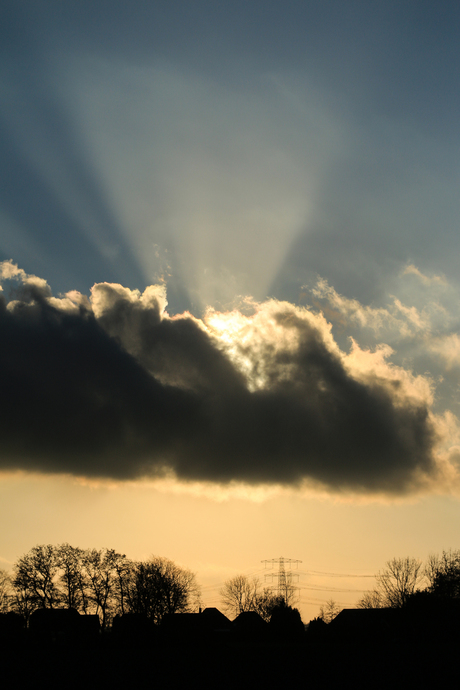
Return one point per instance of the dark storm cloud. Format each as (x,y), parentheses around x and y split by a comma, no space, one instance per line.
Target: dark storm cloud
(116,388)
(72,400)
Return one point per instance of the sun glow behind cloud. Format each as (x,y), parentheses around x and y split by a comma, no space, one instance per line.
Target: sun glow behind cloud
(263,399)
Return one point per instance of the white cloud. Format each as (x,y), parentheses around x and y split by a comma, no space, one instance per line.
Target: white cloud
(448,348)
(410,269)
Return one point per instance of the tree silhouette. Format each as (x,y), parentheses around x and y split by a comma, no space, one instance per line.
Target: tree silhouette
(6,591)
(443,574)
(123,569)
(72,582)
(267,602)
(286,621)
(101,572)
(395,584)
(100,581)
(159,586)
(241,594)
(398,581)
(35,578)
(329,611)
(371,600)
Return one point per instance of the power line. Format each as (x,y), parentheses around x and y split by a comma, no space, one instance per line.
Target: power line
(319,572)
(331,589)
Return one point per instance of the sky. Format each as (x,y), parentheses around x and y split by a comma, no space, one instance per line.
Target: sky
(229,308)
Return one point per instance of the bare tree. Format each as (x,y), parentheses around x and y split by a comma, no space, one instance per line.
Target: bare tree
(240,594)
(289,593)
(399,580)
(35,576)
(371,600)
(6,591)
(99,581)
(266,602)
(72,582)
(396,583)
(123,569)
(23,602)
(177,586)
(443,574)
(329,611)
(431,569)
(159,586)
(100,570)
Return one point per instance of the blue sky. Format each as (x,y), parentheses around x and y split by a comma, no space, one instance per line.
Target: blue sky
(325,134)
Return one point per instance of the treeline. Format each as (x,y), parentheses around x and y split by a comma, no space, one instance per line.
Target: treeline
(407,581)
(96,581)
(107,583)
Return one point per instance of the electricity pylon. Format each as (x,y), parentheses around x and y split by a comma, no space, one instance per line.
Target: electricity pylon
(285,587)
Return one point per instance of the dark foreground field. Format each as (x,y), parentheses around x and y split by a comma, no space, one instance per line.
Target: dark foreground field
(319,663)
